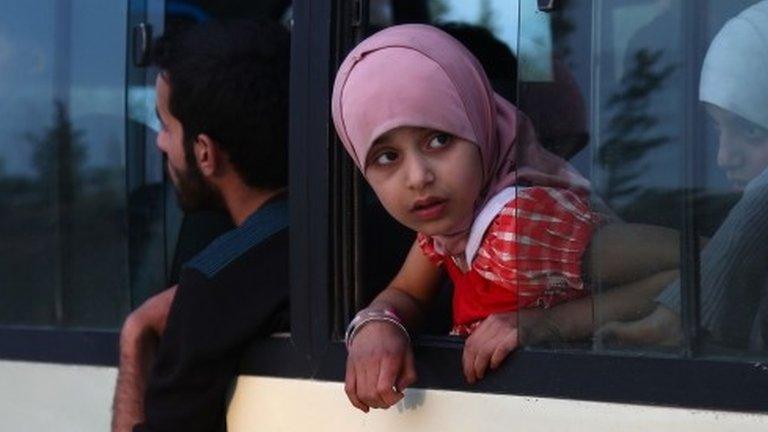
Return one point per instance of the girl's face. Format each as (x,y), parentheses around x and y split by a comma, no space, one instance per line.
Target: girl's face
(426,179)
(743,148)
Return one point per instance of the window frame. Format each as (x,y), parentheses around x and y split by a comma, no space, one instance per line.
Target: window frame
(59,346)
(319,305)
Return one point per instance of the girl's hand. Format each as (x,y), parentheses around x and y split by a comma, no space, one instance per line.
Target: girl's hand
(489,345)
(499,334)
(379,366)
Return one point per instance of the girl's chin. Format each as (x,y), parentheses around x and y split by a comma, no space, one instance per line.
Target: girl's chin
(432,228)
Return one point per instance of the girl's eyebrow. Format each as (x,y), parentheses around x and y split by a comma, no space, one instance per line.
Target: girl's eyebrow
(386,138)
(381,140)
(376,143)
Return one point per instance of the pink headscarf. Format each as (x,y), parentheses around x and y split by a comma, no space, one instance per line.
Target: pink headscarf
(417,75)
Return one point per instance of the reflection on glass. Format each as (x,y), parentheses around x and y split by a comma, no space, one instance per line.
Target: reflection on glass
(63,255)
(734,94)
(676,143)
(622,93)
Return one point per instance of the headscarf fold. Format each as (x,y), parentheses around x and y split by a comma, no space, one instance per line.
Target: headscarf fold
(417,75)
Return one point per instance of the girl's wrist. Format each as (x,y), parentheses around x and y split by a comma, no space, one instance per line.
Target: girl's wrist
(370,315)
(543,328)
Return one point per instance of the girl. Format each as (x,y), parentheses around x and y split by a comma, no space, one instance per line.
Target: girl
(444,154)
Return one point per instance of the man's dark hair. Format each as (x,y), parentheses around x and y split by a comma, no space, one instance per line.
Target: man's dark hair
(229,80)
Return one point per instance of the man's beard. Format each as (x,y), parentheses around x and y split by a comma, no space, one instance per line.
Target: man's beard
(193,193)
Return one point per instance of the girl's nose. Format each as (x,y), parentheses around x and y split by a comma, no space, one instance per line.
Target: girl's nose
(418,173)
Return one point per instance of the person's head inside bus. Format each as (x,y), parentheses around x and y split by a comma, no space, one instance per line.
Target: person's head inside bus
(220,140)
(734,91)
(222,101)
(460,165)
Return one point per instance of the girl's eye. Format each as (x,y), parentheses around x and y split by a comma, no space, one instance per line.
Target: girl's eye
(386,158)
(439,141)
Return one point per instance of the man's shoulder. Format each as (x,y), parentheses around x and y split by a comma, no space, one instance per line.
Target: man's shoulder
(263,234)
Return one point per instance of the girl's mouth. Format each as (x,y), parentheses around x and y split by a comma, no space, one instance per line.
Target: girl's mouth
(429,208)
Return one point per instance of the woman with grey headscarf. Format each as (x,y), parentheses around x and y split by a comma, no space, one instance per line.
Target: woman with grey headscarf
(734,265)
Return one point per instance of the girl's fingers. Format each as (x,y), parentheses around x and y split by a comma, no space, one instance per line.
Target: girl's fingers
(350,388)
(488,346)
(407,373)
(474,348)
(503,349)
(385,386)
(483,358)
(468,360)
(369,393)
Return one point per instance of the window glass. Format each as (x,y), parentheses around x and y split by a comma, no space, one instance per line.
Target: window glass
(610,101)
(62,164)
(650,108)
(151,220)
(733,102)
(651,103)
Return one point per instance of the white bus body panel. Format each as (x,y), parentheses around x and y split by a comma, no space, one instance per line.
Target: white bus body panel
(45,397)
(287,405)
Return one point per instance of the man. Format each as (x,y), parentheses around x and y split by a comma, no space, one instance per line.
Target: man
(222,103)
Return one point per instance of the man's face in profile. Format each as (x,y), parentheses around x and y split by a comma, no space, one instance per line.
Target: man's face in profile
(193,191)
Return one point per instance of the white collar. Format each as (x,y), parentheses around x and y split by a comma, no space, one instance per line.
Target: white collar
(484,219)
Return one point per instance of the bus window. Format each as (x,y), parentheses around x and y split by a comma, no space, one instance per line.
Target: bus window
(62,164)
(672,146)
(489,30)
(619,93)
(573,70)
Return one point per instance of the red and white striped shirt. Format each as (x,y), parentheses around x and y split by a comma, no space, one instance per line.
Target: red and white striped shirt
(530,256)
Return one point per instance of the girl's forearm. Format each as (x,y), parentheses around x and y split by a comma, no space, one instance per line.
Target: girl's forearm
(579,319)
(624,253)
(412,290)
(407,307)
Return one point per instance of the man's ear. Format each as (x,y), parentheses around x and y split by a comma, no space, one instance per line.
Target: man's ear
(207,154)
